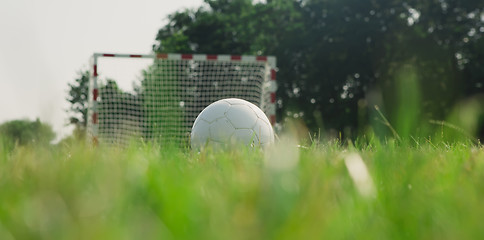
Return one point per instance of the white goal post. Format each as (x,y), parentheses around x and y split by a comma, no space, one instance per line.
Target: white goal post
(173,90)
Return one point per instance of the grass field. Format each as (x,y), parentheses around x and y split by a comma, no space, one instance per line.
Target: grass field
(425,191)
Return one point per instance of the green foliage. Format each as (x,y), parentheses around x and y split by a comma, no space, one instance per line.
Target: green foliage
(78,100)
(25,132)
(408,104)
(464,121)
(163,114)
(146,191)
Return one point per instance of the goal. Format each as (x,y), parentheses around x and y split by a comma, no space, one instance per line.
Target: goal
(172,90)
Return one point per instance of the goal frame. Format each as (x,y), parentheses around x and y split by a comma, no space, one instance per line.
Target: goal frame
(93,97)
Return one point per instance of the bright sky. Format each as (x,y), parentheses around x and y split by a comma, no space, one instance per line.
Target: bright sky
(43,44)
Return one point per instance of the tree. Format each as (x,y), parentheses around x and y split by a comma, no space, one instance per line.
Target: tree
(119,112)
(79,102)
(25,132)
(112,104)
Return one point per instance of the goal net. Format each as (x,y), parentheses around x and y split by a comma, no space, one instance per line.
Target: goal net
(170,92)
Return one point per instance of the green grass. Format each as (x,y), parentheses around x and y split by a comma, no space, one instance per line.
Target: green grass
(426,191)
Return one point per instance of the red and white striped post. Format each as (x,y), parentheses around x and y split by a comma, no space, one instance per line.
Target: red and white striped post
(94,92)
(272,111)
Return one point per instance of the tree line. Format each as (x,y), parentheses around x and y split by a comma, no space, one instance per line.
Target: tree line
(25,132)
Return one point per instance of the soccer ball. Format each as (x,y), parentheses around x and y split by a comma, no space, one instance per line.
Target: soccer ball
(230,122)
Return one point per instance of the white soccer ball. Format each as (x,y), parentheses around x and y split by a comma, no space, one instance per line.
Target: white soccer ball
(229,122)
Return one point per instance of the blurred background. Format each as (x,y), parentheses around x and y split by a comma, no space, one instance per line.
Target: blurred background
(347,68)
